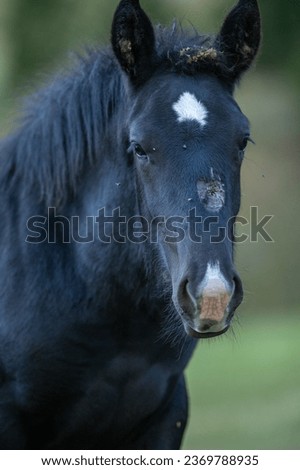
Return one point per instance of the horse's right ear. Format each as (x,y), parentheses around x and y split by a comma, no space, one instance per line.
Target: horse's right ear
(133,41)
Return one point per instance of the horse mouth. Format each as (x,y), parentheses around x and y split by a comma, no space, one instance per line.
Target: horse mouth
(197,334)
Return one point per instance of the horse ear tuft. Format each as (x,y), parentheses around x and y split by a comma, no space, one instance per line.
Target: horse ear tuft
(133,41)
(239,38)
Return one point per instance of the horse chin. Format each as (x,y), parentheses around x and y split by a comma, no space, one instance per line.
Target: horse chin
(198,334)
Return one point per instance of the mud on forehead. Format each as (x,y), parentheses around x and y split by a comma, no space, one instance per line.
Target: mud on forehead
(189,108)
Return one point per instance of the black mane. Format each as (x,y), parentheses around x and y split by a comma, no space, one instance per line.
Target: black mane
(63,126)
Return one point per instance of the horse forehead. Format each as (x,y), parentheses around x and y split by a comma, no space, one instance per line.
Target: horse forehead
(202,103)
(188,108)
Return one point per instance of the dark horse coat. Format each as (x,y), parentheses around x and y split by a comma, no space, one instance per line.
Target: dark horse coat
(105,284)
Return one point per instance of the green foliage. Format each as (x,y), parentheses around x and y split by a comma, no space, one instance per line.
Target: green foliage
(281,45)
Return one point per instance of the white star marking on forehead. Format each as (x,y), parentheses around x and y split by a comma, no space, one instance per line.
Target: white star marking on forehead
(188,108)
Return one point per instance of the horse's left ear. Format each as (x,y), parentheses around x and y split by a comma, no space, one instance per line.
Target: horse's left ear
(239,38)
(133,41)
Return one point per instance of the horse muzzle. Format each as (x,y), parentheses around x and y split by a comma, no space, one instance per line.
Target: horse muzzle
(207,309)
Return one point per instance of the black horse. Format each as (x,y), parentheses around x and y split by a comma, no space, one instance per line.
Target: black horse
(119,192)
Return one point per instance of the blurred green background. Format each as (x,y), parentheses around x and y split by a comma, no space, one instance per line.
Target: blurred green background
(244,387)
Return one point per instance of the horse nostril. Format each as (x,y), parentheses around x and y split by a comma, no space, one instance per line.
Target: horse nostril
(238,292)
(186,301)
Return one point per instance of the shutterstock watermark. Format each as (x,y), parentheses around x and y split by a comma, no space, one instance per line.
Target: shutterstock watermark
(113,227)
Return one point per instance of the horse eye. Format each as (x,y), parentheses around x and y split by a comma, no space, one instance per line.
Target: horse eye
(244,143)
(139,151)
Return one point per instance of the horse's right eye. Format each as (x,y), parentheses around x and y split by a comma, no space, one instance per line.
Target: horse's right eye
(139,151)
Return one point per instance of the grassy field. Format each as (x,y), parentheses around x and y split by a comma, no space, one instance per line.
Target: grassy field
(245,388)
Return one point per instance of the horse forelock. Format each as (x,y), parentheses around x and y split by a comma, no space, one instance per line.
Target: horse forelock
(190,53)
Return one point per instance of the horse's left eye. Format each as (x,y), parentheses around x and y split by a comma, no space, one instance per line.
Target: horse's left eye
(244,143)
(242,146)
